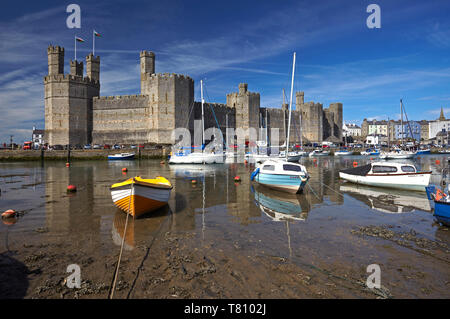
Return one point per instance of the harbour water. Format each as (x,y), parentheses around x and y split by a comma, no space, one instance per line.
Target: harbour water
(219,238)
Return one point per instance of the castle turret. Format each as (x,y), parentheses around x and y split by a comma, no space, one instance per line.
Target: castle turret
(147,69)
(55,60)
(247,107)
(299,99)
(76,68)
(243,88)
(93,67)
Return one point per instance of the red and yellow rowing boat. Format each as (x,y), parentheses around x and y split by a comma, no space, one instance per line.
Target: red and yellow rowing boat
(138,195)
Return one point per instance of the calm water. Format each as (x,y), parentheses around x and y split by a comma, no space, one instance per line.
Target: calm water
(314,226)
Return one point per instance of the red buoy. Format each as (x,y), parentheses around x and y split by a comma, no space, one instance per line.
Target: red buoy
(194,181)
(438,162)
(355,164)
(71,188)
(237,179)
(67,164)
(8,213)
(124,169)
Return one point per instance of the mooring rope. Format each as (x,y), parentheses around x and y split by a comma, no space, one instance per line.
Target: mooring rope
(116,272)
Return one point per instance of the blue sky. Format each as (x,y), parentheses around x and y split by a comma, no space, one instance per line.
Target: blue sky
(225,43)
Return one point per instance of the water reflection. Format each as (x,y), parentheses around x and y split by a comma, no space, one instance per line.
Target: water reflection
(91,208)
(138,230)
(280,206)
(387,200)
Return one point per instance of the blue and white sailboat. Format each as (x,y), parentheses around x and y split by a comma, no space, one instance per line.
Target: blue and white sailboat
(281,174)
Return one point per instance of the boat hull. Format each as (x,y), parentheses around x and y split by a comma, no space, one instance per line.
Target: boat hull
(414,181)
(197,158)
(287,183)
(119,157)
(140,200)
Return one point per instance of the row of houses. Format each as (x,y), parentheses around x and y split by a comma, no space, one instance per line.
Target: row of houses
(421,131)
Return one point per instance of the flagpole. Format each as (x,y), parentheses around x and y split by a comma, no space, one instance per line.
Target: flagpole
(93,43)
(75,48)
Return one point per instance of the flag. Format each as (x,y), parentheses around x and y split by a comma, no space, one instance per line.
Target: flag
(97,34)
(79,39)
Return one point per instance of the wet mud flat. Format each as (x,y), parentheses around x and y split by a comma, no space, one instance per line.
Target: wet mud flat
(174,265)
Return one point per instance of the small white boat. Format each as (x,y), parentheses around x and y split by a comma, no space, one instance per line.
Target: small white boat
(319,153)
(292,156)
(399,154)
(281,175)
(121,156)
(385,174)
(369,151)
(197,158)
(343,153)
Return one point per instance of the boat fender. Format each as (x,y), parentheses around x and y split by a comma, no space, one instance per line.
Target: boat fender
(256,172)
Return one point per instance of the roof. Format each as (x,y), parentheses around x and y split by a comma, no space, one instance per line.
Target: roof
(38,131)
(333,139)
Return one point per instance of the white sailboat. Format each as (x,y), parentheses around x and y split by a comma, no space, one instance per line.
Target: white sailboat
(281,174)
(198,157)
(399,153)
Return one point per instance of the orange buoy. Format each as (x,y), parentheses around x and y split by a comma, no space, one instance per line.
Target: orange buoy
(9,221)
(8,213)
(194,181)
(71,188)
(355,164)
(237,179)
(124,169)
(67,164)
(438,162)
(245,162)
(371,158)
(315,160)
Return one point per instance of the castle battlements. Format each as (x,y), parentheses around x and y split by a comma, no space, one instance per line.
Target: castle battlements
(54,49)
(69,77)
(120,97)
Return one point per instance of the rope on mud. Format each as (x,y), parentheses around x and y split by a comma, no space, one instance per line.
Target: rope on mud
(146,255)
(116,271)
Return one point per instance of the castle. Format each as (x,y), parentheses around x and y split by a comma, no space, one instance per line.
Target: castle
(76,114)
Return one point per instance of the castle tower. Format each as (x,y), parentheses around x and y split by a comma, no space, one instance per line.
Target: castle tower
(55,60)
(336,108)
(76,68)
(299,99)
(93,67)
(247,107)
(147,68)
(68,101)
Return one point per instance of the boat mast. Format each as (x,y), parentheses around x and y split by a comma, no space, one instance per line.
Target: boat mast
(267,136)
(284,120)
(301,133)
(401,119)
(290,108)
(203,115)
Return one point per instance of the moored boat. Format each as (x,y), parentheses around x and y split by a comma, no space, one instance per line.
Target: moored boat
(385,174)
(398,154)
(343,153)
(374,152)
(281,175)
(121,156)
(441,204)
(319,153)
(138,195)
(423,152)
(197,158)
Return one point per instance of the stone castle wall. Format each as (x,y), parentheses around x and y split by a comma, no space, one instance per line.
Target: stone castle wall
(76,114)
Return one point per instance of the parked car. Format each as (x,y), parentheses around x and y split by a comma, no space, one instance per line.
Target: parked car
(57,147)
(133,146)
(87,147)
(116,147)
(106,147)
(97,147)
